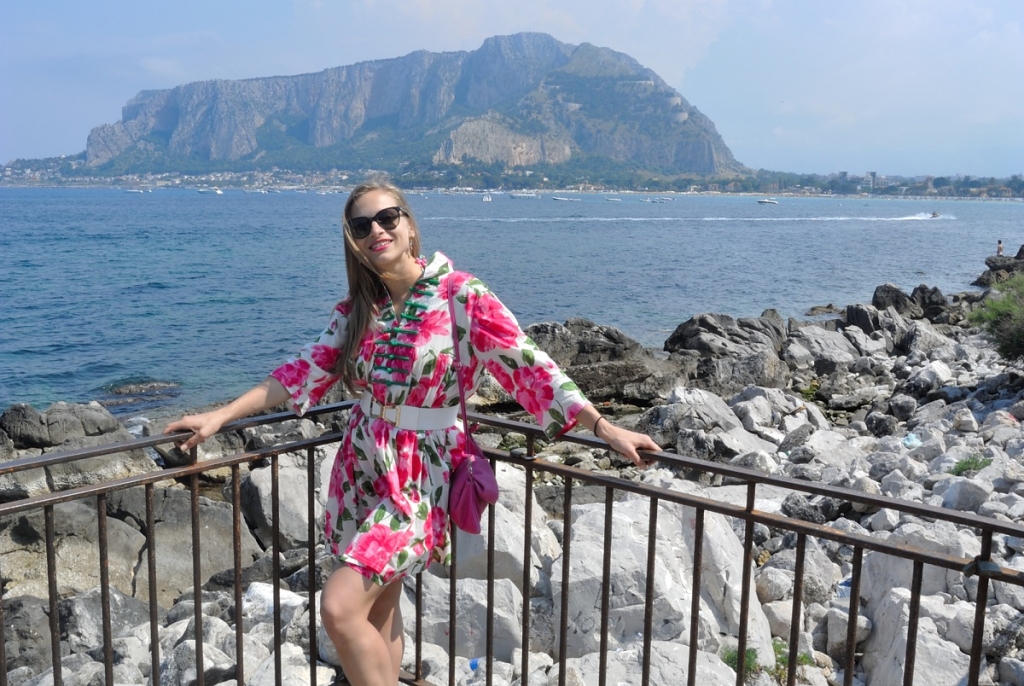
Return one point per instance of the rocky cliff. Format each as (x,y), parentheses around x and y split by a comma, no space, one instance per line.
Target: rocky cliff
(519,100)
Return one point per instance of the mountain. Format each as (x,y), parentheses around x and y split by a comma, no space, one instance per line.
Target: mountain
(518,100)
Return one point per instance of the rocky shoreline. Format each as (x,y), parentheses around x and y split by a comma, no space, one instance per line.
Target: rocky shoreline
(899,397)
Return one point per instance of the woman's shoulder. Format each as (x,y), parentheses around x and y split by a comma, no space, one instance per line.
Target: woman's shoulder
(344,307)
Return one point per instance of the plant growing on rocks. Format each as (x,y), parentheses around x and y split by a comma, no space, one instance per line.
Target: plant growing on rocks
(974,463)
(1002,317)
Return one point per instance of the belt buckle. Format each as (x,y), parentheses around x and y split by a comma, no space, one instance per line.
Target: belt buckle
(398,414)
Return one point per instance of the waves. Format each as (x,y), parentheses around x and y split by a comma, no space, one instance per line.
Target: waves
(922,216)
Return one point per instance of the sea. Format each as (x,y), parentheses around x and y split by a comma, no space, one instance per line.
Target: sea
(153,302)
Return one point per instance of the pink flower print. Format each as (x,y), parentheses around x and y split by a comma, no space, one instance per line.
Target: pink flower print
(500,374)
(492,326)
(323,384)
(434,527)
(468,374)
(328,525)
(381,432)
(410,465)
(434,323)
(376,547)
(292,374)
(344,308)
(458,280)
(367,345)
(324,356)
(533,389)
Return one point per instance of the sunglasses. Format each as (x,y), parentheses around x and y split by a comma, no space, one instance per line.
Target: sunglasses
(386,219)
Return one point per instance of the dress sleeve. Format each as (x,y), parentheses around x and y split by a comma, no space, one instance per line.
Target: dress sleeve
(528,373)
(309,375)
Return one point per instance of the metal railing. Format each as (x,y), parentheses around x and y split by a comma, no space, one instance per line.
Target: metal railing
(982,566)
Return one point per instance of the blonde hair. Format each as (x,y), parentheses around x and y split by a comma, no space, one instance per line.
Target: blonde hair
(365,282)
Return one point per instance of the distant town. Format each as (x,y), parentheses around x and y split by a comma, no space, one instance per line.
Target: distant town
(71,171)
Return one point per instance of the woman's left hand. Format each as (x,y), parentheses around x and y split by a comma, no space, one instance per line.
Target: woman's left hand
(627,443)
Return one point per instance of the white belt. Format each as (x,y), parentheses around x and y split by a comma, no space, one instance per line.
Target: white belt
(408,416)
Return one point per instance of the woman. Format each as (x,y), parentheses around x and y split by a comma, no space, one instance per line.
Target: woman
(390,341)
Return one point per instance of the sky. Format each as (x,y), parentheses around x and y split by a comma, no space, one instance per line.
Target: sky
(899,87)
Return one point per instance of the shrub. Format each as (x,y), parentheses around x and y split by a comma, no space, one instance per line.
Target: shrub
(1002,317)
(974,463)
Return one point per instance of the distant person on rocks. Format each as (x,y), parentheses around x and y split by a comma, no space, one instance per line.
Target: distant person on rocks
(999,249)
(390,342)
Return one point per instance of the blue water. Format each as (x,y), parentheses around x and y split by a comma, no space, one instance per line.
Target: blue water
(99,287)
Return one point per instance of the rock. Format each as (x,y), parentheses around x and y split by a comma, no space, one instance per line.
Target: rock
(938,662)
(966,495)
(293,529)
(81,618)
(889,295)
(881,424)
(902,406)
(838,621)
(929,378)
(180,666)
(818,573)
(669,661)
(26,426)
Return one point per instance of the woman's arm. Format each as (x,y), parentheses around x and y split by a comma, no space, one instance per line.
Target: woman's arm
(622,441)
(267,394)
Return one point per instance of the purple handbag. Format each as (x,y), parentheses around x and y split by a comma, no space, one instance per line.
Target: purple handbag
(473,485)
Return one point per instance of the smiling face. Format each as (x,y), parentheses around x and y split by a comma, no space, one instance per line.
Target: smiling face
(386,251)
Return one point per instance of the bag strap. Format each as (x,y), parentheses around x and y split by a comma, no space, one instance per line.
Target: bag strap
(458,360)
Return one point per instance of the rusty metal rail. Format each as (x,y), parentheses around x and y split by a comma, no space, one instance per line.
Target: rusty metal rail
(982,565)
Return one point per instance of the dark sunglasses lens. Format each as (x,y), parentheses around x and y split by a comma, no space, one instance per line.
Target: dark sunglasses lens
(388,218)
(360,226)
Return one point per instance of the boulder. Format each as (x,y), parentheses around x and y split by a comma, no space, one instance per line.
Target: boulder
(889,295)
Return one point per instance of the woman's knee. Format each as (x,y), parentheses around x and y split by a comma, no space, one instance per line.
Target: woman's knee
(347,600)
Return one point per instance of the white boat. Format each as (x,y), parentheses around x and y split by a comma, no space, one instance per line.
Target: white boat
(486,198)
(213,190)
(523,194)
(767,201)
(134,190)
(614,199)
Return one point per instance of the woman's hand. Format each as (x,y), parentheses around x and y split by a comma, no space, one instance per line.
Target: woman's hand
(202,427)
(626,442)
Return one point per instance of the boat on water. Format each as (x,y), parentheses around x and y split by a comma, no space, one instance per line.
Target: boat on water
(614,199)
(486,198)
(565,199)
(767,201)
(935,215)
(134,190)
(523,194)
(212,190)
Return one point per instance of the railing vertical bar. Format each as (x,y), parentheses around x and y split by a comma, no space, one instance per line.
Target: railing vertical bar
(154,612)
(419,627)
(197,573)
(108,648)
(795,618)
(652,553)
(606,585)
(915,611)
(51,573)
(3,639)
(563,617)
(851,629)
(275,535)
(748,547)
(979,611)
(236,548)
(489,652)
(695,584)
(453,579)
(311,539)
(527,567)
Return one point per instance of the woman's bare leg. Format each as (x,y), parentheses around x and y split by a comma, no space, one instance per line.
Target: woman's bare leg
(347,603)
(386,615)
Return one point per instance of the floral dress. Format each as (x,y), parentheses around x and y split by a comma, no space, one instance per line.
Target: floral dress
(386,513)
